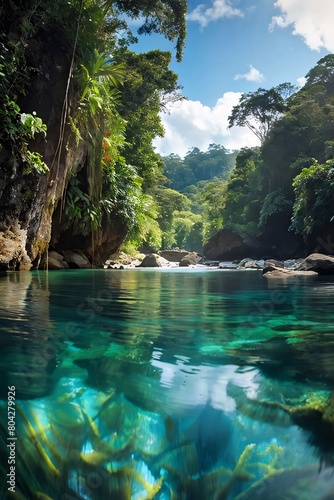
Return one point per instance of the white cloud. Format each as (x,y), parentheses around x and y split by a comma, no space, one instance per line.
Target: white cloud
(191,124)
(301,81)
(253,75)
(220,8)
(311,19)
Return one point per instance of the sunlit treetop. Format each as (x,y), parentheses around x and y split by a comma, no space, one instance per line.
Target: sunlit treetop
(166,17)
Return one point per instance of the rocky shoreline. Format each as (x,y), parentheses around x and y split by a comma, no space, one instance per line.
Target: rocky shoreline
(312,265)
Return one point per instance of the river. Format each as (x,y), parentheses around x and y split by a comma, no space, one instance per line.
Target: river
(166,384)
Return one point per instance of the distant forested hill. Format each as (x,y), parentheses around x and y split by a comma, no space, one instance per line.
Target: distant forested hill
(198,166)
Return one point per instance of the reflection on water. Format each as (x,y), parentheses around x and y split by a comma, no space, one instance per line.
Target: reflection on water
(168,384)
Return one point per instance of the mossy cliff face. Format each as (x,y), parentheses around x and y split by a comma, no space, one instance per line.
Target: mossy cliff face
(32,205)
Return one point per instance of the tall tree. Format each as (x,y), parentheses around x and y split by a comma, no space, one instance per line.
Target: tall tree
(147,77)
(260,109)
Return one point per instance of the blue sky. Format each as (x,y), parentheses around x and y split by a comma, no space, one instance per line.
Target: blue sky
(236,46)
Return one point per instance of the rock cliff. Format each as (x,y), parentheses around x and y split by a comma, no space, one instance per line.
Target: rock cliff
(32,204)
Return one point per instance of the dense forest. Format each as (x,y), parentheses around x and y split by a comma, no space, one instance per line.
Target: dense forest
(279,197)
(79,113)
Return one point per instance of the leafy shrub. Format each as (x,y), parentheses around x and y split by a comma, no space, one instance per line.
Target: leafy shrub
(273,203)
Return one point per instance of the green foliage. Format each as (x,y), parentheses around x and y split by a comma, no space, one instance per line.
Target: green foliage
(16,132)
(212,199)
(162,16)
(148,77)
(303,133)
(243,197)
(113,97)
(186,230)
(198,166)
(97,77)
(314,204)
(146,230)
(274,203)
(11,125)
(32,125)
(168,201)
(290,168)
(34,163)
(80,210)
(322,73)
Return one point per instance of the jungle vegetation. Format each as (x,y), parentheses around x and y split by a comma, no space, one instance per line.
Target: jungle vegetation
(111,104)
(162,202)
(287,182)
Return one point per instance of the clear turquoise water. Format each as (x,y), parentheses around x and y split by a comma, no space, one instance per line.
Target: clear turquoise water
(168,384)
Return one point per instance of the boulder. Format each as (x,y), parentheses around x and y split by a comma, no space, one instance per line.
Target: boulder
(250,264)
(226,245)
(54,264)
(318,262)
(173,255)
(271,271)
(150,260)
(292,263)
(274,262)
(55,255)
(165,263)
(76,260)
(191,259)
(227,265)
(211,263)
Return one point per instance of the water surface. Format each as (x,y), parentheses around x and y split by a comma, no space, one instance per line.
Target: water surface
(168,384)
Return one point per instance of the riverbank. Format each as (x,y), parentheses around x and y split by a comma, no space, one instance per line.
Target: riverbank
(311,265)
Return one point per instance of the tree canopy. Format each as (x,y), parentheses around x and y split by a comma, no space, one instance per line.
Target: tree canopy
(260,109)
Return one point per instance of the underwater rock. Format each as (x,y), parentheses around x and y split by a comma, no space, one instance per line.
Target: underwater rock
(211,432)
(293,483)
(216,484)
(317,418)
